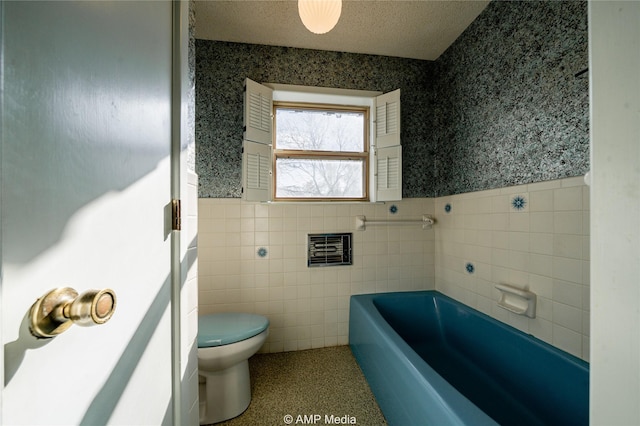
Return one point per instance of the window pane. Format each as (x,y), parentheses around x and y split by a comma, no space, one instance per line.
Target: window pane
(310,178)
(315,130)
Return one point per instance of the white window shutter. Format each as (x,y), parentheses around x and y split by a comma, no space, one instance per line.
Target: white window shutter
(256,171)
(388,119)
(389,174)
(258,110)
(256,148)
(388,152)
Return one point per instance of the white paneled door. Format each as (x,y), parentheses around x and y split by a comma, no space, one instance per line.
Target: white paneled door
(85,203)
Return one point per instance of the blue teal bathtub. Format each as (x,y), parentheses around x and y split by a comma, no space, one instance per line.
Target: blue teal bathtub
(431,360)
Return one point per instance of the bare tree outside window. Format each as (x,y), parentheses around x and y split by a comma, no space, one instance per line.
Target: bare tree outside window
(304,178)
(320,153)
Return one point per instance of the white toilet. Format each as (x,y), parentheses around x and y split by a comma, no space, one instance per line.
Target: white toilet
(225,343)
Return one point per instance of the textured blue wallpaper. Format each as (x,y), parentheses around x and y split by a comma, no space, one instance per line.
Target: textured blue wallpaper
(501,106)
(220,72)
(510,109)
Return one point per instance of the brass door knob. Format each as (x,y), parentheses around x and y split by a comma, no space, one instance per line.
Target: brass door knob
(56,311)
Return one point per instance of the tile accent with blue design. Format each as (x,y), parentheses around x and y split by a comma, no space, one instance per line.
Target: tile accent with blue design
(393,209)
(518,202)
(447,208)
(470,268)
(262,252)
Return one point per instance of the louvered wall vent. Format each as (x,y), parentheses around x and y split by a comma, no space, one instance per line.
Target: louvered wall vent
(329,250)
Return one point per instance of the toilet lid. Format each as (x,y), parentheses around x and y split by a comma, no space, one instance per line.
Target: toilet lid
(226,328)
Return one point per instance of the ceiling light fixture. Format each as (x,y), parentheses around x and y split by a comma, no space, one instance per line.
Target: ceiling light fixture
(319,16)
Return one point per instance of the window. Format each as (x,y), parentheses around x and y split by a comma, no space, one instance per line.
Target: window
(312,145)
(320,152)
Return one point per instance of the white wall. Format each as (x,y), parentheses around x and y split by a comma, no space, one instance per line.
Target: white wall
(543,247)
(190,414)
(307,307)
(614,40)
(185,321)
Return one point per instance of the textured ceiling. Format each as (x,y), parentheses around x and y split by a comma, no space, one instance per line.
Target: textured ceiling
(408,29)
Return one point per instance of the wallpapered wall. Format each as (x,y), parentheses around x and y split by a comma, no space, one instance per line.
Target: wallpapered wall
(509,108)
(222,68)
(500,107)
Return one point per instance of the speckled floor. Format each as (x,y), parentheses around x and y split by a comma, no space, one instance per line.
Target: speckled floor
(321,382)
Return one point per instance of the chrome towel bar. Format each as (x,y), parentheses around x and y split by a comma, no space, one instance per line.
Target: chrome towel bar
(361,222)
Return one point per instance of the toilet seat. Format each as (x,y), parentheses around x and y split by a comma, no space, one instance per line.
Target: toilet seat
(228,327)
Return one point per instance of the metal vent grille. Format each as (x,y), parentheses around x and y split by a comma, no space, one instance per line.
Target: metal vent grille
(329,250)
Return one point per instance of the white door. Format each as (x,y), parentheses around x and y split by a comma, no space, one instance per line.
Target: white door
(86,142)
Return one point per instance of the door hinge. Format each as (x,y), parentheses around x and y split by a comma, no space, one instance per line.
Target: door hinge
(176,221)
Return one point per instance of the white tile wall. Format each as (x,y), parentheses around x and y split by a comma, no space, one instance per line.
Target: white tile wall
(189,301)
(543,247)
(307,307)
